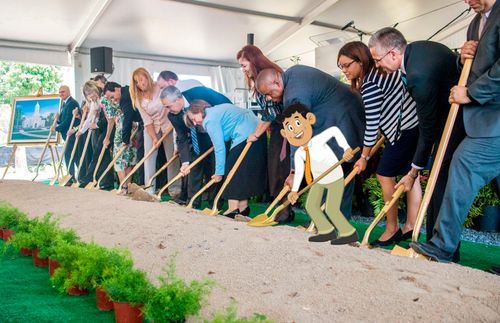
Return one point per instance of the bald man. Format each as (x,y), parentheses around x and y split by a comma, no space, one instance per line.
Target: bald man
(331,101)
(68,106)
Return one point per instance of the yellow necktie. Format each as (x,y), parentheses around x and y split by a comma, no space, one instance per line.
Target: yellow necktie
(307,171)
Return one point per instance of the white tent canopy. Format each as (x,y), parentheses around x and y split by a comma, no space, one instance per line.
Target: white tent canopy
(195,37)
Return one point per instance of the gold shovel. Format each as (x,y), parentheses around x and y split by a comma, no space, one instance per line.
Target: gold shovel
(382,213)
(179,176)
(58,170)
(85,147)
(68,176)
(203,189)
(436,166)
(213,210)
(262,217)
(91,185)
(150,152)
(158,172)
(270,221)
(112,162)
(47,142)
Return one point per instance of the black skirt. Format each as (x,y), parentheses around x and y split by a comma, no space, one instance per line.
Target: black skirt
(396,159)
(250,178)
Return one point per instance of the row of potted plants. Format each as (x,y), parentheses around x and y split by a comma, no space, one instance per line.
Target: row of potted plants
(76,267)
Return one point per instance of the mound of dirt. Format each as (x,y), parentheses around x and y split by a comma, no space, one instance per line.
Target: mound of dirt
(272,270)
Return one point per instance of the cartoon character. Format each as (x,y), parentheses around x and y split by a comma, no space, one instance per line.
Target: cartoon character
(312,158)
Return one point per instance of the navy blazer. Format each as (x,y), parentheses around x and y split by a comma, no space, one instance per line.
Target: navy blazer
(129,114)
(431,72)
(66,116)
(482,116)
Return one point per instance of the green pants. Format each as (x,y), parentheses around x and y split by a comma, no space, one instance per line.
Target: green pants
(334,194)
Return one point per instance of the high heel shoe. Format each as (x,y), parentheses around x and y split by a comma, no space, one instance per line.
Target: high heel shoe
(405,236)
(232,214)
(388,242)
(243,216)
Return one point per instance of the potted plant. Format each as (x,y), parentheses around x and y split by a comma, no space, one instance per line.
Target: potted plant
(484,213)
(97,264)
(129,290)
(68,254)
(174,299)
(43,235)
(10,217)
(22,241)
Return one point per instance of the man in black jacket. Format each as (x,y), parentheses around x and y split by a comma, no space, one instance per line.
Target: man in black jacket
(430,70)
(117,93)
(68,109)
(192,144)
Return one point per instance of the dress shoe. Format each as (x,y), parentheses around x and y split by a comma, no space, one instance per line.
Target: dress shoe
(431,251)
(405,236)
(180,201)
(232,214)
(346,240)
(285,216)
(495,270)
(392,240)
(323,237)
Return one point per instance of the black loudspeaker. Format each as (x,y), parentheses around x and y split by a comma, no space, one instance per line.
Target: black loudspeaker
(101,60)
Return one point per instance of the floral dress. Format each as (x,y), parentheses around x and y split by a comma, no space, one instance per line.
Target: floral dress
(129,156)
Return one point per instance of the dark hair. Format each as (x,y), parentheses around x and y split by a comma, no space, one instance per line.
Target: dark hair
(168,75)
(111,86)
(360,53)
(195,107)
(258,62)
(290,110)
(100,77)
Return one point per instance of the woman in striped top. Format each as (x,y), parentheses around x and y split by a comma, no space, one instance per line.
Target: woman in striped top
(390,109)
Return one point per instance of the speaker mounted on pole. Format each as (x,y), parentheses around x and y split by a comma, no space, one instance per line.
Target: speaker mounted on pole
(101,60)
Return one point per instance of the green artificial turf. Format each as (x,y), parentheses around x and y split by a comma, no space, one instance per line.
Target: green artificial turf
(27,296)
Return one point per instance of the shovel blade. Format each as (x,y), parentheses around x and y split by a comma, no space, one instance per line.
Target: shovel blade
(53,181)
(208,211)
(257,220)
(90,186)
(265,223)
(410,253)
(65,180)
(75,185)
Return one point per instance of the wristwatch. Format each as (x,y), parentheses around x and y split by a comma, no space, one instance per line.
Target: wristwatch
(365,157)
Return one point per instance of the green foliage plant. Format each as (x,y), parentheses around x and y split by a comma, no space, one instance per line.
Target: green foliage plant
(10,217)
(231,316)
(487,196)
(175,299)
(125,284)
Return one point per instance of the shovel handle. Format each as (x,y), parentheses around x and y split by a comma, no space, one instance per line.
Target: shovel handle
(178,176)
(150,152)
(161,169)
(388,205)
(278,198)
(230,174)
(203,189)
(438,160)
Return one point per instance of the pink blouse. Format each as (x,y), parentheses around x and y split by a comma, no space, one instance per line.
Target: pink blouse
(153,112)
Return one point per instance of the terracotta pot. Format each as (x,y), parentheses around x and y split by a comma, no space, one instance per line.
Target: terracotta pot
(37,261)
(7,234)
(26,252)
(126,313)
(53,265)
(1,233)
(102,300)
(77,291)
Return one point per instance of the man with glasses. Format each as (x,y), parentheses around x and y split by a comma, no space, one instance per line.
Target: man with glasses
(430,71)
(331,101)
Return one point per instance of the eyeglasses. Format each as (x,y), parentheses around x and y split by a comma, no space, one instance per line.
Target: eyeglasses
(377,60)
(346,66)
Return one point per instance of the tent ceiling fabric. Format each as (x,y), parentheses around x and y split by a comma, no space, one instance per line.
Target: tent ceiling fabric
(185,29)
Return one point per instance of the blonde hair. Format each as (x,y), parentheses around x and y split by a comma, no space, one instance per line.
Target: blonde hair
(137,94)
(91,87)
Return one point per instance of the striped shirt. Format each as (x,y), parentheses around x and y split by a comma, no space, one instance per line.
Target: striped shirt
(388,106)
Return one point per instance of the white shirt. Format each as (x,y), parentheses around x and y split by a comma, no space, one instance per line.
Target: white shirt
(321,157)
(92,116)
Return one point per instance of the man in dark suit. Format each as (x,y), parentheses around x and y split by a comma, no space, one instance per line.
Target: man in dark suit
(476,161)
(430,71)
(192,144)
(68,109)
(331,101)
(117,93)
